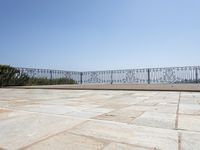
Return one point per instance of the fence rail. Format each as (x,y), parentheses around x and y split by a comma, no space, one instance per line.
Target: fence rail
(51,74)
(190,74)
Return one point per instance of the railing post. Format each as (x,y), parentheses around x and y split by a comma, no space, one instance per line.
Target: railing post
(148,71)
(81,79)
(196,74)
(50,76)
(111,77)
(2,81)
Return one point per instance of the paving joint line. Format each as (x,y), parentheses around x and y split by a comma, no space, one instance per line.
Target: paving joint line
(177,111)
(50,136)
(179,140)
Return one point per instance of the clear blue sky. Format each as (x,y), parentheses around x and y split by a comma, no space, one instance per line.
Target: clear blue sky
(99,34)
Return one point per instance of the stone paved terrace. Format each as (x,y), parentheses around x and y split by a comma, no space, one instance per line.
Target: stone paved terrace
(99,120)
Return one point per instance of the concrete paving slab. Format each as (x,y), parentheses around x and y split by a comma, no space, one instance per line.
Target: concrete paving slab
(189,122)
(190,109)
(163,108)
(4,113)
(89,119)
(130,134)
(54,109)
(83,114)
(155,119)
(190,100)
(119,146)
(67,141)
(21,128)
(190,141)
(122,115)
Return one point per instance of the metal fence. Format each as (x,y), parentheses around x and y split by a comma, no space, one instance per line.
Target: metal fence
(51,74)
(190,74)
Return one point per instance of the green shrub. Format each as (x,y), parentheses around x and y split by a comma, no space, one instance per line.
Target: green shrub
(45,81)
(12,76)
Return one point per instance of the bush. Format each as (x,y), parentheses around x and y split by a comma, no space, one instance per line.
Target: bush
(10,76)
(45,81)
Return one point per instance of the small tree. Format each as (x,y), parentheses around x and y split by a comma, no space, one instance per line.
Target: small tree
(12,76)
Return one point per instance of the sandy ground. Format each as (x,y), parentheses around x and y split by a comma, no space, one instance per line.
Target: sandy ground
(99,120)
